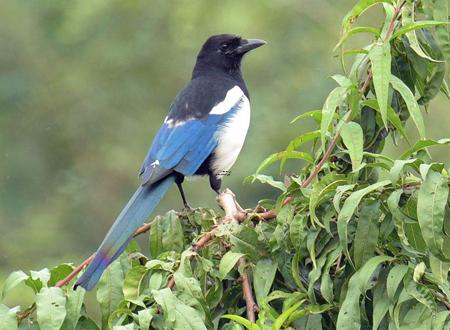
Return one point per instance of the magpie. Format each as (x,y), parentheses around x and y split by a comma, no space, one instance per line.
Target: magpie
(202,134)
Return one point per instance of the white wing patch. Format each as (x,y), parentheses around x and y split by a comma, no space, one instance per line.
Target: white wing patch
(231,135)
(233,96)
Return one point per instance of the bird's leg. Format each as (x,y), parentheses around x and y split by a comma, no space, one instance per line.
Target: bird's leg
(215,183)
(179,180)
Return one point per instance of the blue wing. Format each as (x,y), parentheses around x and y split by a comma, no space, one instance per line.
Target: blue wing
(182,147)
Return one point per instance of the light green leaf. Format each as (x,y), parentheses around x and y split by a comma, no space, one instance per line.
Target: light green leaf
(239,319)
(50,308)
(8,320)
(397,168)
(263,276)
(394,279)
(314,114)
(441,12)
(13,280)
(284,155)
(177,314)
(333,100)
(422,144)
(341,190)
(285,315)
(109,290)
(415,26)
(411,104)
(145,317)
(355,30)
(352,135)
(227,262)
(440,269)
(348,209)
(432,199)
(439,320)
(380,57)
(349,313)
(132,286)
(73,308)
(166,234)
(360,7)
(266,179)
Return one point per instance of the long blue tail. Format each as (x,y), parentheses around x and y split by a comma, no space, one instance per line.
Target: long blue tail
(138,209)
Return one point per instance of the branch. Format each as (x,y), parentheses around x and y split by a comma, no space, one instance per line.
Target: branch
(250,303)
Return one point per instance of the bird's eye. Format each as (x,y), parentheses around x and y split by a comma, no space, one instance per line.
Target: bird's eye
(224,46)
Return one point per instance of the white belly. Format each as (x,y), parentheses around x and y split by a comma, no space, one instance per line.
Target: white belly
(231,137)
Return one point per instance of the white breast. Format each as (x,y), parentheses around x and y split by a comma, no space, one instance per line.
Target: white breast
(231,135)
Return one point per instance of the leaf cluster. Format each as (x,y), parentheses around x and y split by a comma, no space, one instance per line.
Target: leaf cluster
(365,243)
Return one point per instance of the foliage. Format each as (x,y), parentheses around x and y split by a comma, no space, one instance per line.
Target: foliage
(365,245)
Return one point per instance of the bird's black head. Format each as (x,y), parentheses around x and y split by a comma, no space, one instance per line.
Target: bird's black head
(225,51)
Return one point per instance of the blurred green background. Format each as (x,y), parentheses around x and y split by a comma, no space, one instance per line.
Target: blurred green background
(84,86)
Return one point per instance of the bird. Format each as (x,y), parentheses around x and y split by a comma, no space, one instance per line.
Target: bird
(202,135)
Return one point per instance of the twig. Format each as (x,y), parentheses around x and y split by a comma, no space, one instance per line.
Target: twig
(74,273)
(250,303)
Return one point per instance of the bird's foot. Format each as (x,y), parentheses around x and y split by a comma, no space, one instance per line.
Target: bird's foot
(188,208)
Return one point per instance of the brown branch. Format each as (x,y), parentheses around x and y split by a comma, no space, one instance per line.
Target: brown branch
(250,303)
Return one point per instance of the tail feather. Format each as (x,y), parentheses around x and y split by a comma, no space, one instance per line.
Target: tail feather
(137,210)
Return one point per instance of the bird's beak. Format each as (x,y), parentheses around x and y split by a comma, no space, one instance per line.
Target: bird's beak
(249,44)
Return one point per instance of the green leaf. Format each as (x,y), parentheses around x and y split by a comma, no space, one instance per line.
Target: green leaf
(333,100)
(394,279)
(285,315)
(266,179)
(356,30)
(360,7)
(340,191)
(314,114)
(133,283)
(50,308)
(441,12)
(348,209)
(391,115)
(440,269)
(13,280)
(38,279)
(145,317)
(397,168)
(349,313)
(73,308)
(227,262)
(422,144)
(411,104)
(58,273)
(321,190)
(8,320)
(239,319)
(177,314)
(432,199)
(352,136)
(166,234)
(284,155)
(380,57)
(415,26)
(109,290)
(366,236)
(263,276)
